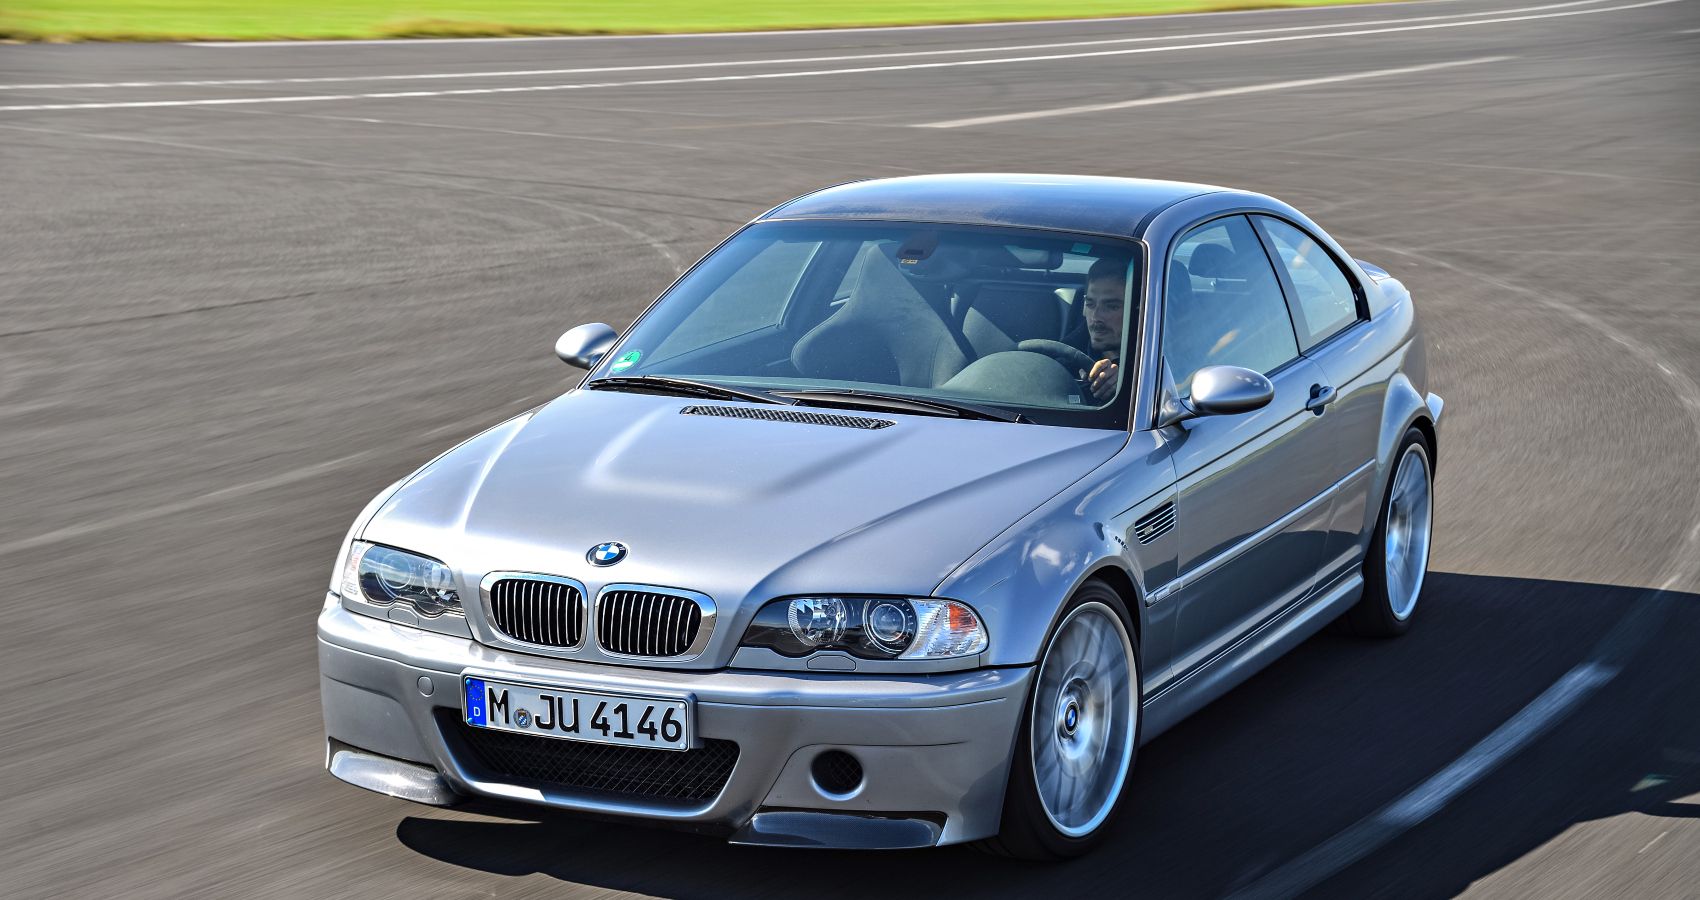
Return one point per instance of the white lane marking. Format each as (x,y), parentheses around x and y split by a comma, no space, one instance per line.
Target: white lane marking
(552,135)
(654,243)
(210,498)
(1206,95)
(1650,843)
(655,82)
(792,60)
(215,497)
(1530,722)
(1368,835)
(787,32)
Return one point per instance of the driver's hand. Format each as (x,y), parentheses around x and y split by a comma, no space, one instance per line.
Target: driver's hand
(1101,381)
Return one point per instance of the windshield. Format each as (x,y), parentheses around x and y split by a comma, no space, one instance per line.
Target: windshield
(1033,322)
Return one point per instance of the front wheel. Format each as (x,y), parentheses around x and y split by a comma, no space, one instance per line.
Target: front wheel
(1078,734)
(1397,561)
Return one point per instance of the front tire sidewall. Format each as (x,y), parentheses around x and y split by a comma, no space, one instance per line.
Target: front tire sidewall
(1027,831)
(1373,615)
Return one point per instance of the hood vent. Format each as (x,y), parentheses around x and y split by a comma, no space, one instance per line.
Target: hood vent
(788,415)
(1155,523)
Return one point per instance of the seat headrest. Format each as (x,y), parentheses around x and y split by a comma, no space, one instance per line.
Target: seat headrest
(1210,260)
(1020,311)
(880,283)
(1180,281)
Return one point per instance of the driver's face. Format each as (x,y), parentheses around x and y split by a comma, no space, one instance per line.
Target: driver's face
(1104,300)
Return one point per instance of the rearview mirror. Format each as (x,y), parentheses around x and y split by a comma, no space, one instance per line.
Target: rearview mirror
(1220,391)
(585,345)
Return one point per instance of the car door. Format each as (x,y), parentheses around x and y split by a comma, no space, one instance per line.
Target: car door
(1330,317)
(1254,495)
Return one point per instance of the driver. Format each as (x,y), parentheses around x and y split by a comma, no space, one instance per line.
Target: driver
(1103,309)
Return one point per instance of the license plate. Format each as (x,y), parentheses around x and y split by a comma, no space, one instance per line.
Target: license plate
(658,723)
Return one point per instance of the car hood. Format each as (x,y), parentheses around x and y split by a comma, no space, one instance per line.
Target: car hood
(731,507)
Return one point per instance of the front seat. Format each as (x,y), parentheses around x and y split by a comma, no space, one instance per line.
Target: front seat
(885,333)
(997,317)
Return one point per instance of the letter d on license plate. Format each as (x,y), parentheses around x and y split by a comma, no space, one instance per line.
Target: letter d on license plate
(630,720)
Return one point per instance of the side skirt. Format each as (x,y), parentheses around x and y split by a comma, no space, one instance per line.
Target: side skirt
(1246,658)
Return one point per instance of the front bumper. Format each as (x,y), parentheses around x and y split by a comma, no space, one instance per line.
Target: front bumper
(935,749)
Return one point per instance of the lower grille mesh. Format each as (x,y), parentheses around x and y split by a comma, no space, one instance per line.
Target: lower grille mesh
(690,776)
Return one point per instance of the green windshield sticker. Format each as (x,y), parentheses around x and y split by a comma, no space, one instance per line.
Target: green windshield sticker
(627,361)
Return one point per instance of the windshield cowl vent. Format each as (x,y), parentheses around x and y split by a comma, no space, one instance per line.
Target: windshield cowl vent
(788,415)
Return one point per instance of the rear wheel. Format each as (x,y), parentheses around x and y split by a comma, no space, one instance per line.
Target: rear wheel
(1078,734)
(1397,561)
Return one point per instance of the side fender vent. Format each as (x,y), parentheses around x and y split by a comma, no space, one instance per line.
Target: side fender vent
(1155,523)
(788,415)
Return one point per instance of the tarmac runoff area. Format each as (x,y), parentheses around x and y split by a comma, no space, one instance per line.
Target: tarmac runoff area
(246,286)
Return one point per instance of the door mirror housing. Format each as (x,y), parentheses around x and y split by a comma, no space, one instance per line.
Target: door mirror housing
(1219,391)
(585,345)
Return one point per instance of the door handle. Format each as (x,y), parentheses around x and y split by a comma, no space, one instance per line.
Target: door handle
(1320,396)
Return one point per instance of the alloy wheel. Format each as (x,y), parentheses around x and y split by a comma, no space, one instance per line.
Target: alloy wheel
(1410,520)
(1085,719)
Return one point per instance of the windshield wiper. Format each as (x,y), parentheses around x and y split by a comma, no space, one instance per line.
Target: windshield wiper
(931,406)
(669,384)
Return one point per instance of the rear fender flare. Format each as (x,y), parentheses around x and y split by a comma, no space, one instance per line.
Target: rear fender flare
(1404,408)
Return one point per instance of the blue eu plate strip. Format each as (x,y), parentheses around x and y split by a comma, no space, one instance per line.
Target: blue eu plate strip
(475,702)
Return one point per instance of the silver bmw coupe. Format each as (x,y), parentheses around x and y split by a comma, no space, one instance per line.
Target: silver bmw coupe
(901,519)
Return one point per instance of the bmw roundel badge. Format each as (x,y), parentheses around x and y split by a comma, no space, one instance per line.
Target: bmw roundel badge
(606,554)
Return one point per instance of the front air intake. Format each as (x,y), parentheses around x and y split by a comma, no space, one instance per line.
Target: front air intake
(668,777)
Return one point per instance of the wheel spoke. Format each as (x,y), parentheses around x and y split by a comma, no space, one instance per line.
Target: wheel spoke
(1407,532)
(1083,726)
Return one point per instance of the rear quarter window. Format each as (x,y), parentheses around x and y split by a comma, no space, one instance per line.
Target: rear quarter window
(1324,302)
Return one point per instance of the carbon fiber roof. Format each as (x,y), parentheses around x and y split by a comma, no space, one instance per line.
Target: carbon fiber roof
(1068,202)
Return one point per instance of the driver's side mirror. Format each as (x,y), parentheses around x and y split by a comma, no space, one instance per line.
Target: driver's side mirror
(1219,391)
(585,345)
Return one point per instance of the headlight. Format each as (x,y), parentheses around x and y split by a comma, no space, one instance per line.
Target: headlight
(869,627)
(385,575)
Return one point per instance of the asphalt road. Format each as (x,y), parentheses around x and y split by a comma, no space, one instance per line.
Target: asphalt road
(227,324)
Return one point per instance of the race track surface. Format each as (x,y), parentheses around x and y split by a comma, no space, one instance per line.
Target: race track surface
(233,315)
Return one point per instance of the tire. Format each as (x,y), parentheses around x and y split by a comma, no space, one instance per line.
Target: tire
(1394,570)
(1087,686)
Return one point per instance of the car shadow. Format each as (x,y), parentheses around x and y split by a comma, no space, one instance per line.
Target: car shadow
(1326,736)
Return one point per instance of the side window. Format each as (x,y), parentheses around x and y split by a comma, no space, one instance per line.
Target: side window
(1223,305)
(753,297)
(1326,301)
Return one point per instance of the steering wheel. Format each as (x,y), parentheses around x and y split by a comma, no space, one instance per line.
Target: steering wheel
(1072,358)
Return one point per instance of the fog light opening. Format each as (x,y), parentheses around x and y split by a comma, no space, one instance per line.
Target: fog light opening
(836,774)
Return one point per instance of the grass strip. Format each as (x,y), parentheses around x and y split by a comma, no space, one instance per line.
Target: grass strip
(191,20)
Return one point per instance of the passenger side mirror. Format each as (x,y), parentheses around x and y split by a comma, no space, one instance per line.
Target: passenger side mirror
(1219,391)
(585,345)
